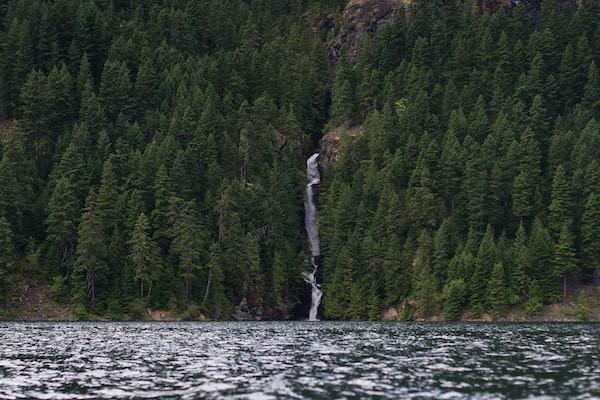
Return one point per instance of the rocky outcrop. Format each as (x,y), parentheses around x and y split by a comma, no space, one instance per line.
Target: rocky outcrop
(31,301)
(359,19)
(332,141)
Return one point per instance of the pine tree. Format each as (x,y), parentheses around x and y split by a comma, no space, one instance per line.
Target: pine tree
(441,251)
(357,308)
(497,296)
(160,212)
(7,259)
(374,301)
(90,258)
(564,261)
(486,259)
(279,279)
(541,248)
(590,234)
(591,98)
(516,275)
(218,303)
(529,170)
(559,210)
(533,305)
(454,296)
(62,222)
(394,276)
(185,241)
(18,182)
(108,193)
(115,90)
(144,254)
(424,281)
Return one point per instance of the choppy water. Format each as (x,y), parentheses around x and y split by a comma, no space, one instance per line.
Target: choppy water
(299,360)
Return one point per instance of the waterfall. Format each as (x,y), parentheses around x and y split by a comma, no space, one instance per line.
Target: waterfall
(312,230)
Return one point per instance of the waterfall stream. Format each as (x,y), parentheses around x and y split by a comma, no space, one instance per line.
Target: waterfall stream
(312,230)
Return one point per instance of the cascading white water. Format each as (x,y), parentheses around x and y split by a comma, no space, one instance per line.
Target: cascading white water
(312,230)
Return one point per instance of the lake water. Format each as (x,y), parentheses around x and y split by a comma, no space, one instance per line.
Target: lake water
(299,360)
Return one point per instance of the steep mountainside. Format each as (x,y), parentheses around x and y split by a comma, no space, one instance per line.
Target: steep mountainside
(153,156)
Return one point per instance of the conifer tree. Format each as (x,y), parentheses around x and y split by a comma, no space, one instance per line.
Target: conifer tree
(115,89)
(564,260)
(374,301)
(497,296)
(90,259)
(516,275)
(590,234)
(591,98)
(7,259)
(424,281)
(559,211)
(218,302)
(441,252)
(185,241)
(144,254)
(62,222)
(454,297)
(485,261)
(541,248)
(160,212)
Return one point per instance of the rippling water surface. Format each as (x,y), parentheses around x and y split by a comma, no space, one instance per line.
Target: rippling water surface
(299,360)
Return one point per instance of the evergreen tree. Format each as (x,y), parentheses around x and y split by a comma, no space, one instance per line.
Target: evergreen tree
(454,297)
(7,260)
(441,251)
(144,254)
(486,259)
(497,291)
(90,259)
(516,275)
(541,248)
(424,281)
(185,241)
(564,260)
(218,303)
(62,221)
(590,234)
(559,211)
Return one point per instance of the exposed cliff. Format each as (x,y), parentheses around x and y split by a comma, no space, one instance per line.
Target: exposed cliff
(359,19)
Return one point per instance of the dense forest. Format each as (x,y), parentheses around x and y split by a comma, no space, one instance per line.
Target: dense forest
(477,179)
(153,156)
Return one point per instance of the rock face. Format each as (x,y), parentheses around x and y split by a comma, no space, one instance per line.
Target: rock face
(359,19)
(332,141)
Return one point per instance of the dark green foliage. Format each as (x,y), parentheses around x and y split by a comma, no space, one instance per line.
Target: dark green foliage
(489,152)
(454,298)
(583,306)
(90,264)
(189,124)
(533,305)
(564,260)
(541,249)
(144,255)
(7,260)
(497,291)
(590,234)
(59,289)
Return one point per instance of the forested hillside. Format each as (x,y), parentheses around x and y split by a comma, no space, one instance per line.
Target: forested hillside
(476,181)
(153,156)
(153,151)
